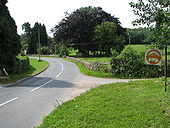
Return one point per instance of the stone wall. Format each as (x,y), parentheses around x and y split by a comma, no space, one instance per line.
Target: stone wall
(90,66)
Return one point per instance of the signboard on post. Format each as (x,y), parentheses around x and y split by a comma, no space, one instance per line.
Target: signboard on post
(153,56)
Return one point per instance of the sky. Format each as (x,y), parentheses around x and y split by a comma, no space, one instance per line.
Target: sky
(50,12)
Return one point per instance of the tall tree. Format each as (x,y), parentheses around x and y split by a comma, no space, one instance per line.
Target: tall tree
(77,28)
(32,35)
(107,37)
(26,37)
(43,35)
(9,39)
(154,13)
(33,46)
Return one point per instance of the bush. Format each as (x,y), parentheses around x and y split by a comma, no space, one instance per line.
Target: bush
(44,50)
(22,64)
(131,64)
(63,52)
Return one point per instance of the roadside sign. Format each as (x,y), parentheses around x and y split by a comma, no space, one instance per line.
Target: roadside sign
(153,57)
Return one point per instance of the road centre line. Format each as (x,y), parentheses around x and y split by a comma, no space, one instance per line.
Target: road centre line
(62,68)
(8,101)
(41,85)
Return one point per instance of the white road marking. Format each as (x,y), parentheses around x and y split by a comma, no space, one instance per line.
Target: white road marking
(62,68)
(8,101)
(41,85)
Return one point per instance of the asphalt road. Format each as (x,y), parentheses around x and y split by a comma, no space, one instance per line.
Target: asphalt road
(25,104)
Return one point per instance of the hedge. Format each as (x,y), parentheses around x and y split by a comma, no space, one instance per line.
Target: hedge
(22,64)
(131,64)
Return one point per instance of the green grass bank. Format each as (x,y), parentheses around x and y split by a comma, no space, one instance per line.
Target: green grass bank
(138,104)
(85,71)
(35,67)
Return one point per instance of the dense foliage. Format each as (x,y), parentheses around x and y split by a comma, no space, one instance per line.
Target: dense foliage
(77,28)
(140,36)
(131,64)
(9,39)
(154,13)
(22,65)
(31,37)
(106,35)
(61,50)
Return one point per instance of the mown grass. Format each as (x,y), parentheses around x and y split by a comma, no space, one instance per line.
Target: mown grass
(138,104)
(139,48)
(85,71)
(35,67)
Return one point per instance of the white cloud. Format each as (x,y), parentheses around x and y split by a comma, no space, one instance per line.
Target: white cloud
(51,12)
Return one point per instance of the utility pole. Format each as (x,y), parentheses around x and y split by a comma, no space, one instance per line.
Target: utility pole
(129,37)
(39,44)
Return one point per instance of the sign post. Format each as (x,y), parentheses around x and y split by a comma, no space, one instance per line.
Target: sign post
(153,57)
(166,68)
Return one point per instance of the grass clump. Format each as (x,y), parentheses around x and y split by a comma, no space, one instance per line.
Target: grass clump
(138,104)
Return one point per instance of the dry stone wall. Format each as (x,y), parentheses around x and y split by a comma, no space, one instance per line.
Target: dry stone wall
(90,66)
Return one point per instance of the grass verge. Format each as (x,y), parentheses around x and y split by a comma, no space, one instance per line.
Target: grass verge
(35,67)
(85,71)
(138,104)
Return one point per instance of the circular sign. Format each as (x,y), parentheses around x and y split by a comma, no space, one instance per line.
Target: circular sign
(153,56)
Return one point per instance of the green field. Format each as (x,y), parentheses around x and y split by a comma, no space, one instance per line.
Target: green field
(139,104)
(36,67)
(139,48)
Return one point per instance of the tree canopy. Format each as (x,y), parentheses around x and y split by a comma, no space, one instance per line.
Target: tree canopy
(31,36)
(155,14)
(140,36)
(9,39)
(106,35)
(77,28)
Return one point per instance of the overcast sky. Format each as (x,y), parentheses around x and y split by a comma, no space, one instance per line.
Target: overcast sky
(50,12)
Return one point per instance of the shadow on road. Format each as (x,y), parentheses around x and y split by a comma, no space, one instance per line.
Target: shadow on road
(46,82)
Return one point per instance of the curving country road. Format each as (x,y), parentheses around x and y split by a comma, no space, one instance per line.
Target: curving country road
(25,104)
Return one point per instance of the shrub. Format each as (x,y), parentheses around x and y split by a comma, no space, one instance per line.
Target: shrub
(22,53)
(22,64)
(63,51)
(45,50)
(131,64)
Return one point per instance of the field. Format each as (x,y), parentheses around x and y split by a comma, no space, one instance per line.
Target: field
(138,48)
(139,104)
